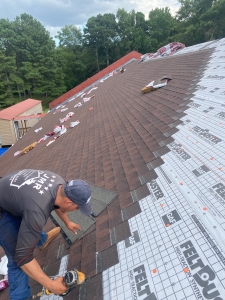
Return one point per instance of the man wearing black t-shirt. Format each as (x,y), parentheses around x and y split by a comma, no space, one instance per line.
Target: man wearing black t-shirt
(27,198)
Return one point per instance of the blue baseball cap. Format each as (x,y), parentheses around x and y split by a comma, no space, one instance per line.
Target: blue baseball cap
(80,193)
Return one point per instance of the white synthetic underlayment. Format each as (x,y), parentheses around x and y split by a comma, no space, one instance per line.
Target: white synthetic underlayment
(177,248)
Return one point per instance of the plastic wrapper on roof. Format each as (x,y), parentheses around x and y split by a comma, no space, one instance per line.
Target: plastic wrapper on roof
(4,271)
(61,132)
(3,265)
(78,104)
(167,50)
(94,88)
(38,129)
(73,124)
(68,116)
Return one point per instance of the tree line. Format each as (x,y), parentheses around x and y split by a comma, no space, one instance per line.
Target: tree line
(33,65)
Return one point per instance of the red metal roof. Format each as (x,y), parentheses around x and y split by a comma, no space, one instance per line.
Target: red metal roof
(17,109)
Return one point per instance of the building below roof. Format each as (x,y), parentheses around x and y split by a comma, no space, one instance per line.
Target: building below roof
(17,119)
(17,109)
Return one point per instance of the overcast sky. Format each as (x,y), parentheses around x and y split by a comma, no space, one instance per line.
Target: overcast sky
(54,14)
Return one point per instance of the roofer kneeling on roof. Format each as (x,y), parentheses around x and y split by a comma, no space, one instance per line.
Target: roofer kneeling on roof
(27,198)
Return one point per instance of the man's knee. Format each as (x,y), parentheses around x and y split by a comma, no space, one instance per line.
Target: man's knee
(18,283)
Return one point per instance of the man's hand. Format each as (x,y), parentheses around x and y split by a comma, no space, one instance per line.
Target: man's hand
(34,270)
(58,287)
(73,226)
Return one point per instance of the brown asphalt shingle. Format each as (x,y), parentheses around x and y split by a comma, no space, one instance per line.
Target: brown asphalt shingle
(117,142)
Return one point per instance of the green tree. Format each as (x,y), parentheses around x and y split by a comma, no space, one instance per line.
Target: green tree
(200,21)
(30,66)
(126,25)
(212,21)
(133,32)
(161,23)
(93,37)
(8,79)
(71,50)
(35,57)
(141,34)
(70,37)
(99,37)
(108,27)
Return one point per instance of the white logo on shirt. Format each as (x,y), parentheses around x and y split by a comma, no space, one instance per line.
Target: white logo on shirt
(35,178)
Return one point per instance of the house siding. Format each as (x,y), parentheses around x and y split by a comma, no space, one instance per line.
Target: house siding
(7,130)
(34,110)
(7,133)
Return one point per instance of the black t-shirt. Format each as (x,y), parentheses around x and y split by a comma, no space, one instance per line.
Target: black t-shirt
(29,194)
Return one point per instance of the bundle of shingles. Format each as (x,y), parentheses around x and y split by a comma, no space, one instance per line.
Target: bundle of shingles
(166,50)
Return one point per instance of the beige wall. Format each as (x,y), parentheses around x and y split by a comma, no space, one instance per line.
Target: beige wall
(34,110)
(7,132)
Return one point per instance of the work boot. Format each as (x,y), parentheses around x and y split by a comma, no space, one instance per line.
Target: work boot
(51,235)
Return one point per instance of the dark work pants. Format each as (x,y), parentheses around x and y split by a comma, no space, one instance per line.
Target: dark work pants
(18,280)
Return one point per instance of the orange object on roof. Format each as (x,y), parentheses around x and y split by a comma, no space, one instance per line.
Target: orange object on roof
(17,109)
